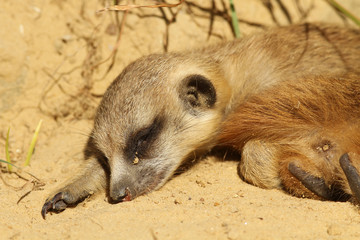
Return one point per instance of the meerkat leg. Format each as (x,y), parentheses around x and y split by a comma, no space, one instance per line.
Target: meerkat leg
(259,165)
(274,165)
(347,185)
(313,183)
(317,176)
(92,179)
(351,173)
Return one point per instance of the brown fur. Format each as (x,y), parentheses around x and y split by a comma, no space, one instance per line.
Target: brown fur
(310,121)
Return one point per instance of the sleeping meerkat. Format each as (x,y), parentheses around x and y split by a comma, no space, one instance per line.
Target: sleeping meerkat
(164,107)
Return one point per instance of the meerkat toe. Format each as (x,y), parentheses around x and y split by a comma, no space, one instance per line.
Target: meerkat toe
(59,206)
(55,204)
(352,175)
(315,184)
(45,209)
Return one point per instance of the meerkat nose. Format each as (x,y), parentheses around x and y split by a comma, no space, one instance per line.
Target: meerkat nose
(120,195)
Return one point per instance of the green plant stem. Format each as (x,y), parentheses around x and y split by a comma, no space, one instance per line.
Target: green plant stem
(32,144)
(345,11)
(234,20)
(8,163)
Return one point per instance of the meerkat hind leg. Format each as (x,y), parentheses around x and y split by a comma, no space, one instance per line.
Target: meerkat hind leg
(272,165)
(304,176)
(258,165)
(93,178)
(352,175)
(311,182)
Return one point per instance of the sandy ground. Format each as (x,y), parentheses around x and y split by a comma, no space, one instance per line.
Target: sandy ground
(56,59)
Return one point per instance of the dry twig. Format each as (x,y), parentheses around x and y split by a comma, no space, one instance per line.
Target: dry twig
(132,6)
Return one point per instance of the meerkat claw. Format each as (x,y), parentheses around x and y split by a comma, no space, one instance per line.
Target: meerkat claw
(55,204)
(315,184)
(352,175)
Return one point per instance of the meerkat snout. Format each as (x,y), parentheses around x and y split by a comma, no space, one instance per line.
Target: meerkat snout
(120,191)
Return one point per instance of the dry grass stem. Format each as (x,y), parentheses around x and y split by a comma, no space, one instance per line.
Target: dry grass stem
(132,6)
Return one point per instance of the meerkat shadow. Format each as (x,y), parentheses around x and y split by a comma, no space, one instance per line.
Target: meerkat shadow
(219,153)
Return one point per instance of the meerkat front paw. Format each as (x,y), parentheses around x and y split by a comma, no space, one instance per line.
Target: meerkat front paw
(59,202)
(54,204)
(90,180)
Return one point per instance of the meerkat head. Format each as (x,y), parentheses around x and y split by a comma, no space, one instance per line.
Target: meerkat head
(155,114)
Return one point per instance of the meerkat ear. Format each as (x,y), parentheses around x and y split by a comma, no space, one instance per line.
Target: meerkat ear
(197,92)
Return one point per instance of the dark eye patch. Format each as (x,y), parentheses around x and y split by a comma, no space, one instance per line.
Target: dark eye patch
(139,143)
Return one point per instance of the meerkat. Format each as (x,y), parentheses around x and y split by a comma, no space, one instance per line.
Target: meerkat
(163,108)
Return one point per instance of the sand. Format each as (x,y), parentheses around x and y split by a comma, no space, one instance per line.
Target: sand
(56,59)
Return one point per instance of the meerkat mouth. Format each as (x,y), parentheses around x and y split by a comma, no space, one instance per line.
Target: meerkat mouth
(128,196)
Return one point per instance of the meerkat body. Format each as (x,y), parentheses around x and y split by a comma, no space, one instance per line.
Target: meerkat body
(164,107)
(292,137)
